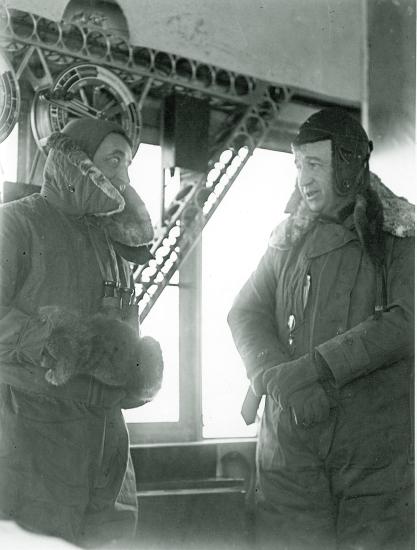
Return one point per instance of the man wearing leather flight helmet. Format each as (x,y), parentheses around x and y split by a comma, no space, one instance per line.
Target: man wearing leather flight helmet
(325,330)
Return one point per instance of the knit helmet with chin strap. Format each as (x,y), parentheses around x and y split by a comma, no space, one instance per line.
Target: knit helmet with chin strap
(89,133)
(351,147)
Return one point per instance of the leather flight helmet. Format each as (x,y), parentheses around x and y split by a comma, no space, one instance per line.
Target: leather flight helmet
(351,147)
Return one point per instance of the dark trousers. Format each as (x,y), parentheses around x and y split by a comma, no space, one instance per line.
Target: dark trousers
(65,468)
(344,484)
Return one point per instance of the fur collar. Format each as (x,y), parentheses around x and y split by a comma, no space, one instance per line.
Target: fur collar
(376,210)
(399,214)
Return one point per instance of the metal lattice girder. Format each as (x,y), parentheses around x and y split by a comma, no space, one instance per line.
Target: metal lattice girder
(63,43)
(199,198)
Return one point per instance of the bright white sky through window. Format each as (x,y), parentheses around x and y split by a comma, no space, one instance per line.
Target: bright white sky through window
(162,321)
(233,243)
(8,158)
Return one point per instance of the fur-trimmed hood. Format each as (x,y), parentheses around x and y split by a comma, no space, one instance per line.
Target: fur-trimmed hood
(375,211)
(76,186)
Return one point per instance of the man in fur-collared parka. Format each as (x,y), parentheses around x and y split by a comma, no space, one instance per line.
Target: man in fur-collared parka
(325,328)
(70,352)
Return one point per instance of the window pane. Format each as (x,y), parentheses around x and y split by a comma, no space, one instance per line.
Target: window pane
(162,321)
(162,324)
(233,243)
(8,158)
(145,177)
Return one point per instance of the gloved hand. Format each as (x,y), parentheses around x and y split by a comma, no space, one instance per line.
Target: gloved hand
(66,346)
(296,384)
(285,379)
(310,405)
(108,349)
(146,380)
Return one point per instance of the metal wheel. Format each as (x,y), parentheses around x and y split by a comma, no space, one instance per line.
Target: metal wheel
(85,90)
(9,98)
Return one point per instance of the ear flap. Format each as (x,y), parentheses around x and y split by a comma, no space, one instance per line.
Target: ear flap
(369,223)
(139,255)
(132,226)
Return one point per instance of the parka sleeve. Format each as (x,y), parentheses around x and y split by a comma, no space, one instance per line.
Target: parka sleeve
(379,342)
(22,335)
(253,324)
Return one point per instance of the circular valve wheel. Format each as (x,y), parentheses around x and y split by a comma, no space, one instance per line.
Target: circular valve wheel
(9,98)
(85,90)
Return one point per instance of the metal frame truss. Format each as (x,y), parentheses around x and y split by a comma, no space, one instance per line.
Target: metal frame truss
(66,43)
(248,108)
(200,196)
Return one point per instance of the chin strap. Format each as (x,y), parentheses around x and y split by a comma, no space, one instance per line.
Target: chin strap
(109,269)
(118,293)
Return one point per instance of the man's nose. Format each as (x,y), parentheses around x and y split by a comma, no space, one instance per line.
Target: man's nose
(126,174)
(121,180)
(123,176)
(304,176)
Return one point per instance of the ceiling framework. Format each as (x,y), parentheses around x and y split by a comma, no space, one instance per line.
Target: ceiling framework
(80,69)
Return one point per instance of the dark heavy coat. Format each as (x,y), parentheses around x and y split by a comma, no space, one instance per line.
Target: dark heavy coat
(65,467)
(347,478)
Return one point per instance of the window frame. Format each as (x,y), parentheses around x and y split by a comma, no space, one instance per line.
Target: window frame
(189,425)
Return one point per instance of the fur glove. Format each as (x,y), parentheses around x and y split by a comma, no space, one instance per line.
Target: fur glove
(100,346)
(147,381)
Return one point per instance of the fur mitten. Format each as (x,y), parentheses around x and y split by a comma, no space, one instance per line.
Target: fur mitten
(67,345)
(146,382)
(108,349)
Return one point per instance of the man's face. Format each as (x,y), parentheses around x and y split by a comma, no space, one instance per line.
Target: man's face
(113,158)
(314,176)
